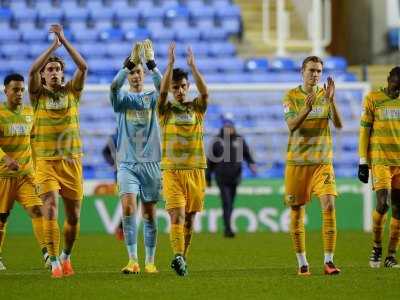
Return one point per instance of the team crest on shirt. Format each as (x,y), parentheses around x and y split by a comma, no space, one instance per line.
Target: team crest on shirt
(390,114)
(28,119)
(138,116)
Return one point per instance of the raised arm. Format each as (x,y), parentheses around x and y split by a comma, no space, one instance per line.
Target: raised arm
(34,72)
(198,78)
(79,77)
(294,120)
(167,78)
(330,95)
(151,63)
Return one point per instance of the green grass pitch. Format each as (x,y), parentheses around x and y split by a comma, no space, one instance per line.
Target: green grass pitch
(251,266)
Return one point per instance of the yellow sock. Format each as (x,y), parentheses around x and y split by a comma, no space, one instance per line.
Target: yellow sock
(378,225)
(329,230)
(177,239)
(297,230)
(52,236)
(188,239)
(394,236)
(3,229)
(70,235)
(37,226)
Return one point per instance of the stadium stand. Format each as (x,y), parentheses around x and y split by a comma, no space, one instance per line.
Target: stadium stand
(103,31)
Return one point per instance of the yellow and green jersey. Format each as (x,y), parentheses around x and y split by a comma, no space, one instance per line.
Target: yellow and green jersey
(182,126)
(15,139)
(311,143)
(379,140)
(56,129)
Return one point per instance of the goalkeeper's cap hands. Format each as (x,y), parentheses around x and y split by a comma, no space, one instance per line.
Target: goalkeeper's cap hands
(135,54)
(148,50)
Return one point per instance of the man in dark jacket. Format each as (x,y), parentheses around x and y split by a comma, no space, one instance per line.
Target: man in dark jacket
(225,156)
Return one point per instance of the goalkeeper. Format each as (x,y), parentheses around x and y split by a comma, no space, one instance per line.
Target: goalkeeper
(138,152)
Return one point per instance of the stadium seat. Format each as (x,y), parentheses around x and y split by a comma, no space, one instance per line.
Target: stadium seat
(118,50)
(86,35)
(76,14)
(188,35)
(231,64)
(393,38)
(280,64)
(212,35)
(92,50)
(9,36)
(103,13)
(163,34)
(25,14)
(222,49)
(336,63)
(16,50)
(129,13)
(257,65)
(35,35)
(137,34)
(51,14)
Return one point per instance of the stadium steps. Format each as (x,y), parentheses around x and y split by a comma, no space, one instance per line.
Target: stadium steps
(253,45)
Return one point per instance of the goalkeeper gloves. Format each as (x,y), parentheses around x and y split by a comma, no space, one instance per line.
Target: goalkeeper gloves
(363,173)
(134,59)
(149,54)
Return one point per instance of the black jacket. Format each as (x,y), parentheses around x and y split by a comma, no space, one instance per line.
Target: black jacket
(225,157)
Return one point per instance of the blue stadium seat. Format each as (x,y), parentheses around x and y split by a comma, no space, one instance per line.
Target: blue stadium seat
(5,14)
(92,50)
(393,38)
(231,11)
(206,65)
(280,64)
(86,35)
(231,25)
(78,26)
(51,14)
(200,49)
(102,67)
(222,49)
(112,34)
(153,13)
(177,12)
(35,35)
(25,14)
(257,65)
(127,25)
(19,65)
(212,35)
(5,66)
(206,12)
(163,34)
(205,23)
(137,34)
(9,36)
(104,25)
(118,50)
(232,64)
(189,34)
(102,13)
(336,63)
(72,15)
(17,50)
(127,14)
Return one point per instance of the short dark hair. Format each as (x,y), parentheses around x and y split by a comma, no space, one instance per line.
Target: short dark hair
(13,77)
(312,58)
(395,72)
(179,74)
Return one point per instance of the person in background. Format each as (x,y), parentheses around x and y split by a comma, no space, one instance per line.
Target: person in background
(226,154)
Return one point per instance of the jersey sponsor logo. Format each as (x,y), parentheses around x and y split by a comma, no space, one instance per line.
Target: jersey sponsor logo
(138,116)
(390,114)
(185,118)
(28,119)
(56,104)
(17,130)
(317,112)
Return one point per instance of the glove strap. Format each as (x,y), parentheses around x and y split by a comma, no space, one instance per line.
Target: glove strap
(151,64)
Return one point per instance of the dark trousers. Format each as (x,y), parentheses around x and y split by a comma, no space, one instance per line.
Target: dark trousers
(228,193)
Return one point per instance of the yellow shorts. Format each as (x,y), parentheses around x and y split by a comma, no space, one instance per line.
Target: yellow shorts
(303,181)
(21,189)
(184,188)
(385,177)
(64,176)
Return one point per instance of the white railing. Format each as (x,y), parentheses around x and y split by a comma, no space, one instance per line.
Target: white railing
(318,25)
